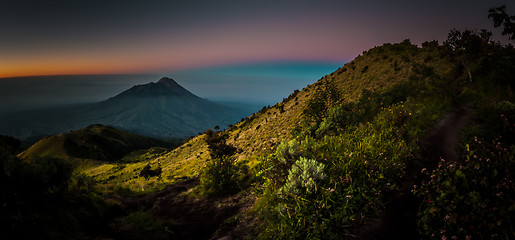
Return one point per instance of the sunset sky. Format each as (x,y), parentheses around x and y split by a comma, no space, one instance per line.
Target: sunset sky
(98,37)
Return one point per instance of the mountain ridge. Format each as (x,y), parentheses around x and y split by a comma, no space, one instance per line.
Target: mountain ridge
(94,142)
(161,110)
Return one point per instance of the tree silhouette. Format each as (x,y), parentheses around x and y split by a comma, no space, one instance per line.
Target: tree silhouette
(500,17)
(468,46)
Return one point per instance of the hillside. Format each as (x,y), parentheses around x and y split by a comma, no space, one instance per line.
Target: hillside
(420,135)
(95,142)
(378,70)
(161,110)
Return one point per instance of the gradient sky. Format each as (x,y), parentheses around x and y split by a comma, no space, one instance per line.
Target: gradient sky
(97,37)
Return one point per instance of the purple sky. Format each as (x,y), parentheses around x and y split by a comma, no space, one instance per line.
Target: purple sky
(90,36)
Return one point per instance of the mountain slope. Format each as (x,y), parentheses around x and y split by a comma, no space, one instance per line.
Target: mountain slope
(379,69)
(161,110)
(95,142)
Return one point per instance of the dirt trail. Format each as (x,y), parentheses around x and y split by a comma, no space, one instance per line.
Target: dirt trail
(398,221)
(194,218)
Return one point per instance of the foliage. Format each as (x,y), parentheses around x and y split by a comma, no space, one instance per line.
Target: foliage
(364,147)
(500,17)
(147,172)
(10,144)
(219,176)
(473,43)
(38,201)
(217,146)
(322,100)
(471,198)
(303,177)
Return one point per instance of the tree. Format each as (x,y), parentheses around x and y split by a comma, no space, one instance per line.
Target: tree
(468,46)
(217,146)
(500,17)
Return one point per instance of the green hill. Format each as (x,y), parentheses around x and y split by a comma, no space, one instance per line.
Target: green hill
(95,142)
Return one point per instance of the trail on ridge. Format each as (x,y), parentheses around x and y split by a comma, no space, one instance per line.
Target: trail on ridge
(398,221)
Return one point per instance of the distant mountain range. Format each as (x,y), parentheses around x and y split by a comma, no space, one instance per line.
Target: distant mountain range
(160,110)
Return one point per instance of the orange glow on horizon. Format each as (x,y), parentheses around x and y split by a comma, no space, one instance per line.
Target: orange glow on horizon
(44,68)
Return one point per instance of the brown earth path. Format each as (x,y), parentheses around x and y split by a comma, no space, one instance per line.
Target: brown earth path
(398,221)
(194,218)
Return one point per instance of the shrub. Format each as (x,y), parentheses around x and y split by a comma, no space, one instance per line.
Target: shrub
(217,146)
(219,176)
(147,172)
(471,198)
(303,177)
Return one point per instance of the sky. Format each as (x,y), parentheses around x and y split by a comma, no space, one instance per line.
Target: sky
(226,49)
(105,37)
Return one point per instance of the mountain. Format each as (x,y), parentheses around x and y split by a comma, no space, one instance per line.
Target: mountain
(161,110)
(95,142)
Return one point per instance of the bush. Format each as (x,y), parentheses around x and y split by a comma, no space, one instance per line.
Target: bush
(472,198)
(303,177)
(219,176)
(217,146)
(147,172)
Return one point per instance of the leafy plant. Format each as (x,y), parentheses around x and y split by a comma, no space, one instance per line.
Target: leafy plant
(303,177)
(219,176)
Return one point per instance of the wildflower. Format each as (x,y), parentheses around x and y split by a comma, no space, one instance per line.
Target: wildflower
(331,189)
(423,170)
